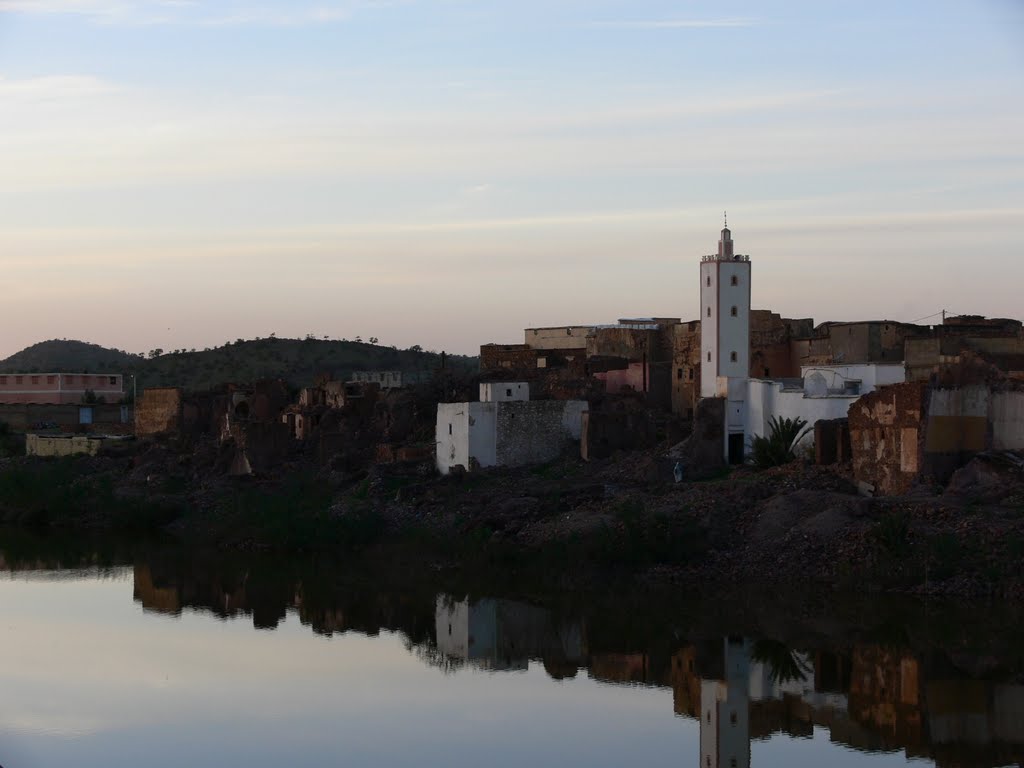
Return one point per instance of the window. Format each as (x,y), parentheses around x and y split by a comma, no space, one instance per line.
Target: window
(709,311)
(735,280)
(732,718)
(508,393)
(35,379)
(691,374)
(709,281)
(679,374)
(449,429)
(568,331)
(19,379)
(51,379)
(734,312)
(113,381)
(732,357)
(3,379)
(767,372)
(709,357)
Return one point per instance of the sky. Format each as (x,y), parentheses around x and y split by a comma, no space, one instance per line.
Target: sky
(181,173)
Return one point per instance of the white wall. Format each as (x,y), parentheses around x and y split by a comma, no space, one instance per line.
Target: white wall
(504,391)
(871,375)
(734,332)
(451,621)
(483,430)
(1008,421)
(767,399)
(708,328)
(572,417)
(452,436)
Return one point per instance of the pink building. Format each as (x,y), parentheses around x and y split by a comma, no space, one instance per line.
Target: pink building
(59,388)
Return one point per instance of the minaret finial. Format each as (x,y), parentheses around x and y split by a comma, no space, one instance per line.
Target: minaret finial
(725,215)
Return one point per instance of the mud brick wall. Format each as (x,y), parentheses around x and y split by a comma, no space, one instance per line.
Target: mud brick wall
(508,357)
(831,441)
(887,436)
(159,412)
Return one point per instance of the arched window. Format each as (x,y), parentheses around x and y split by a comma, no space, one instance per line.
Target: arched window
(709,281)
(732,356)
(734,313)
(735,280)
(709,357)
(709,311)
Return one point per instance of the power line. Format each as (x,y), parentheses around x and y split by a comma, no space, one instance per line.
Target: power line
(944,312)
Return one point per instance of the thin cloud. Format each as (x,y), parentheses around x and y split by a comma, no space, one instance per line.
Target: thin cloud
(727,23)
(191,13)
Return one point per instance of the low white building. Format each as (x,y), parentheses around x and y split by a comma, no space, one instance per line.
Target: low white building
(824,392)
(386,379)
(505,429)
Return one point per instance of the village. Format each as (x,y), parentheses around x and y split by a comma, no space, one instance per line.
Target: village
(901,404)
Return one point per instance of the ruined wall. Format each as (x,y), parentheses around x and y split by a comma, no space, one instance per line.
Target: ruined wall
(561,337)
(705,447)
(832,442)
(533,432)
(159,411)
(623,428)
(62,445)
(519,358)
(260,447)
(106,417)
(633,344)
(685,372)
(887,436)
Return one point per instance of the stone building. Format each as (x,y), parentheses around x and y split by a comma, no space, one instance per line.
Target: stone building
(507,431)
(60,388)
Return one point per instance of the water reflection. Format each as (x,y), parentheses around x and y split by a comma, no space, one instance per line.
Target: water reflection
(923,685)
(869,697)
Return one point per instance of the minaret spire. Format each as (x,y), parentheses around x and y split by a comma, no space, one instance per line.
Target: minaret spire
(725,215)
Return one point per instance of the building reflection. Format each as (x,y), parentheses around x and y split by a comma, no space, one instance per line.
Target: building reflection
(505,635)
(870,697)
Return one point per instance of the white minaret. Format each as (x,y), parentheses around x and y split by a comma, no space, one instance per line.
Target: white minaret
(725,317)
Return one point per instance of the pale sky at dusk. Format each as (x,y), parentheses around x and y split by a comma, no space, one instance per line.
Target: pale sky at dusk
(179,173)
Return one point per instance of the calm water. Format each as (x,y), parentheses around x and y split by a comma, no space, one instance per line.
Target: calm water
(172,661)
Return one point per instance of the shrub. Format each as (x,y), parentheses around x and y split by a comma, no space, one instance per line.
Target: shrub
(777,447)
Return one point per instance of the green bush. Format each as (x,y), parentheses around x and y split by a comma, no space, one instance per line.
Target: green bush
(777,447)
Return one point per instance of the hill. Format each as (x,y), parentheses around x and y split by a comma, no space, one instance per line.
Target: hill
(60,356)
(297,361)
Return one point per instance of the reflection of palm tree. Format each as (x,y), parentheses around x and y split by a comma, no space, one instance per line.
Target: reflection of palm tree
(784,665)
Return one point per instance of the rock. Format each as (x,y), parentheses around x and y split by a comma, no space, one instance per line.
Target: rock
(819,514)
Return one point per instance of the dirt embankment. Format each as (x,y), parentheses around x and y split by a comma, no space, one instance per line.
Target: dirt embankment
(796,524)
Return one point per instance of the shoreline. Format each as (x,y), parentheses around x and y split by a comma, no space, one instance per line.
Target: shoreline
(567,522)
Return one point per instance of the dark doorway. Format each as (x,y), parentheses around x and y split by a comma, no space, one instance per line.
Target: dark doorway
(736,449)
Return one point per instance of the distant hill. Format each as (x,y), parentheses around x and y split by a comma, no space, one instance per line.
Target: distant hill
(61,356)
(297,361)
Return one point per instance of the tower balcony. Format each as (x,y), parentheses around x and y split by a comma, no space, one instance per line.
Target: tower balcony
(716,257)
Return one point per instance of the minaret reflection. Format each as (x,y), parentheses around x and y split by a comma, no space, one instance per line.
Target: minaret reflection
(725,710)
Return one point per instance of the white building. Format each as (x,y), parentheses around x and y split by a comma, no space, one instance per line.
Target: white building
(505,428)
(504,634)
(386,379)
(504,391)
(822,392)
(725,337)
